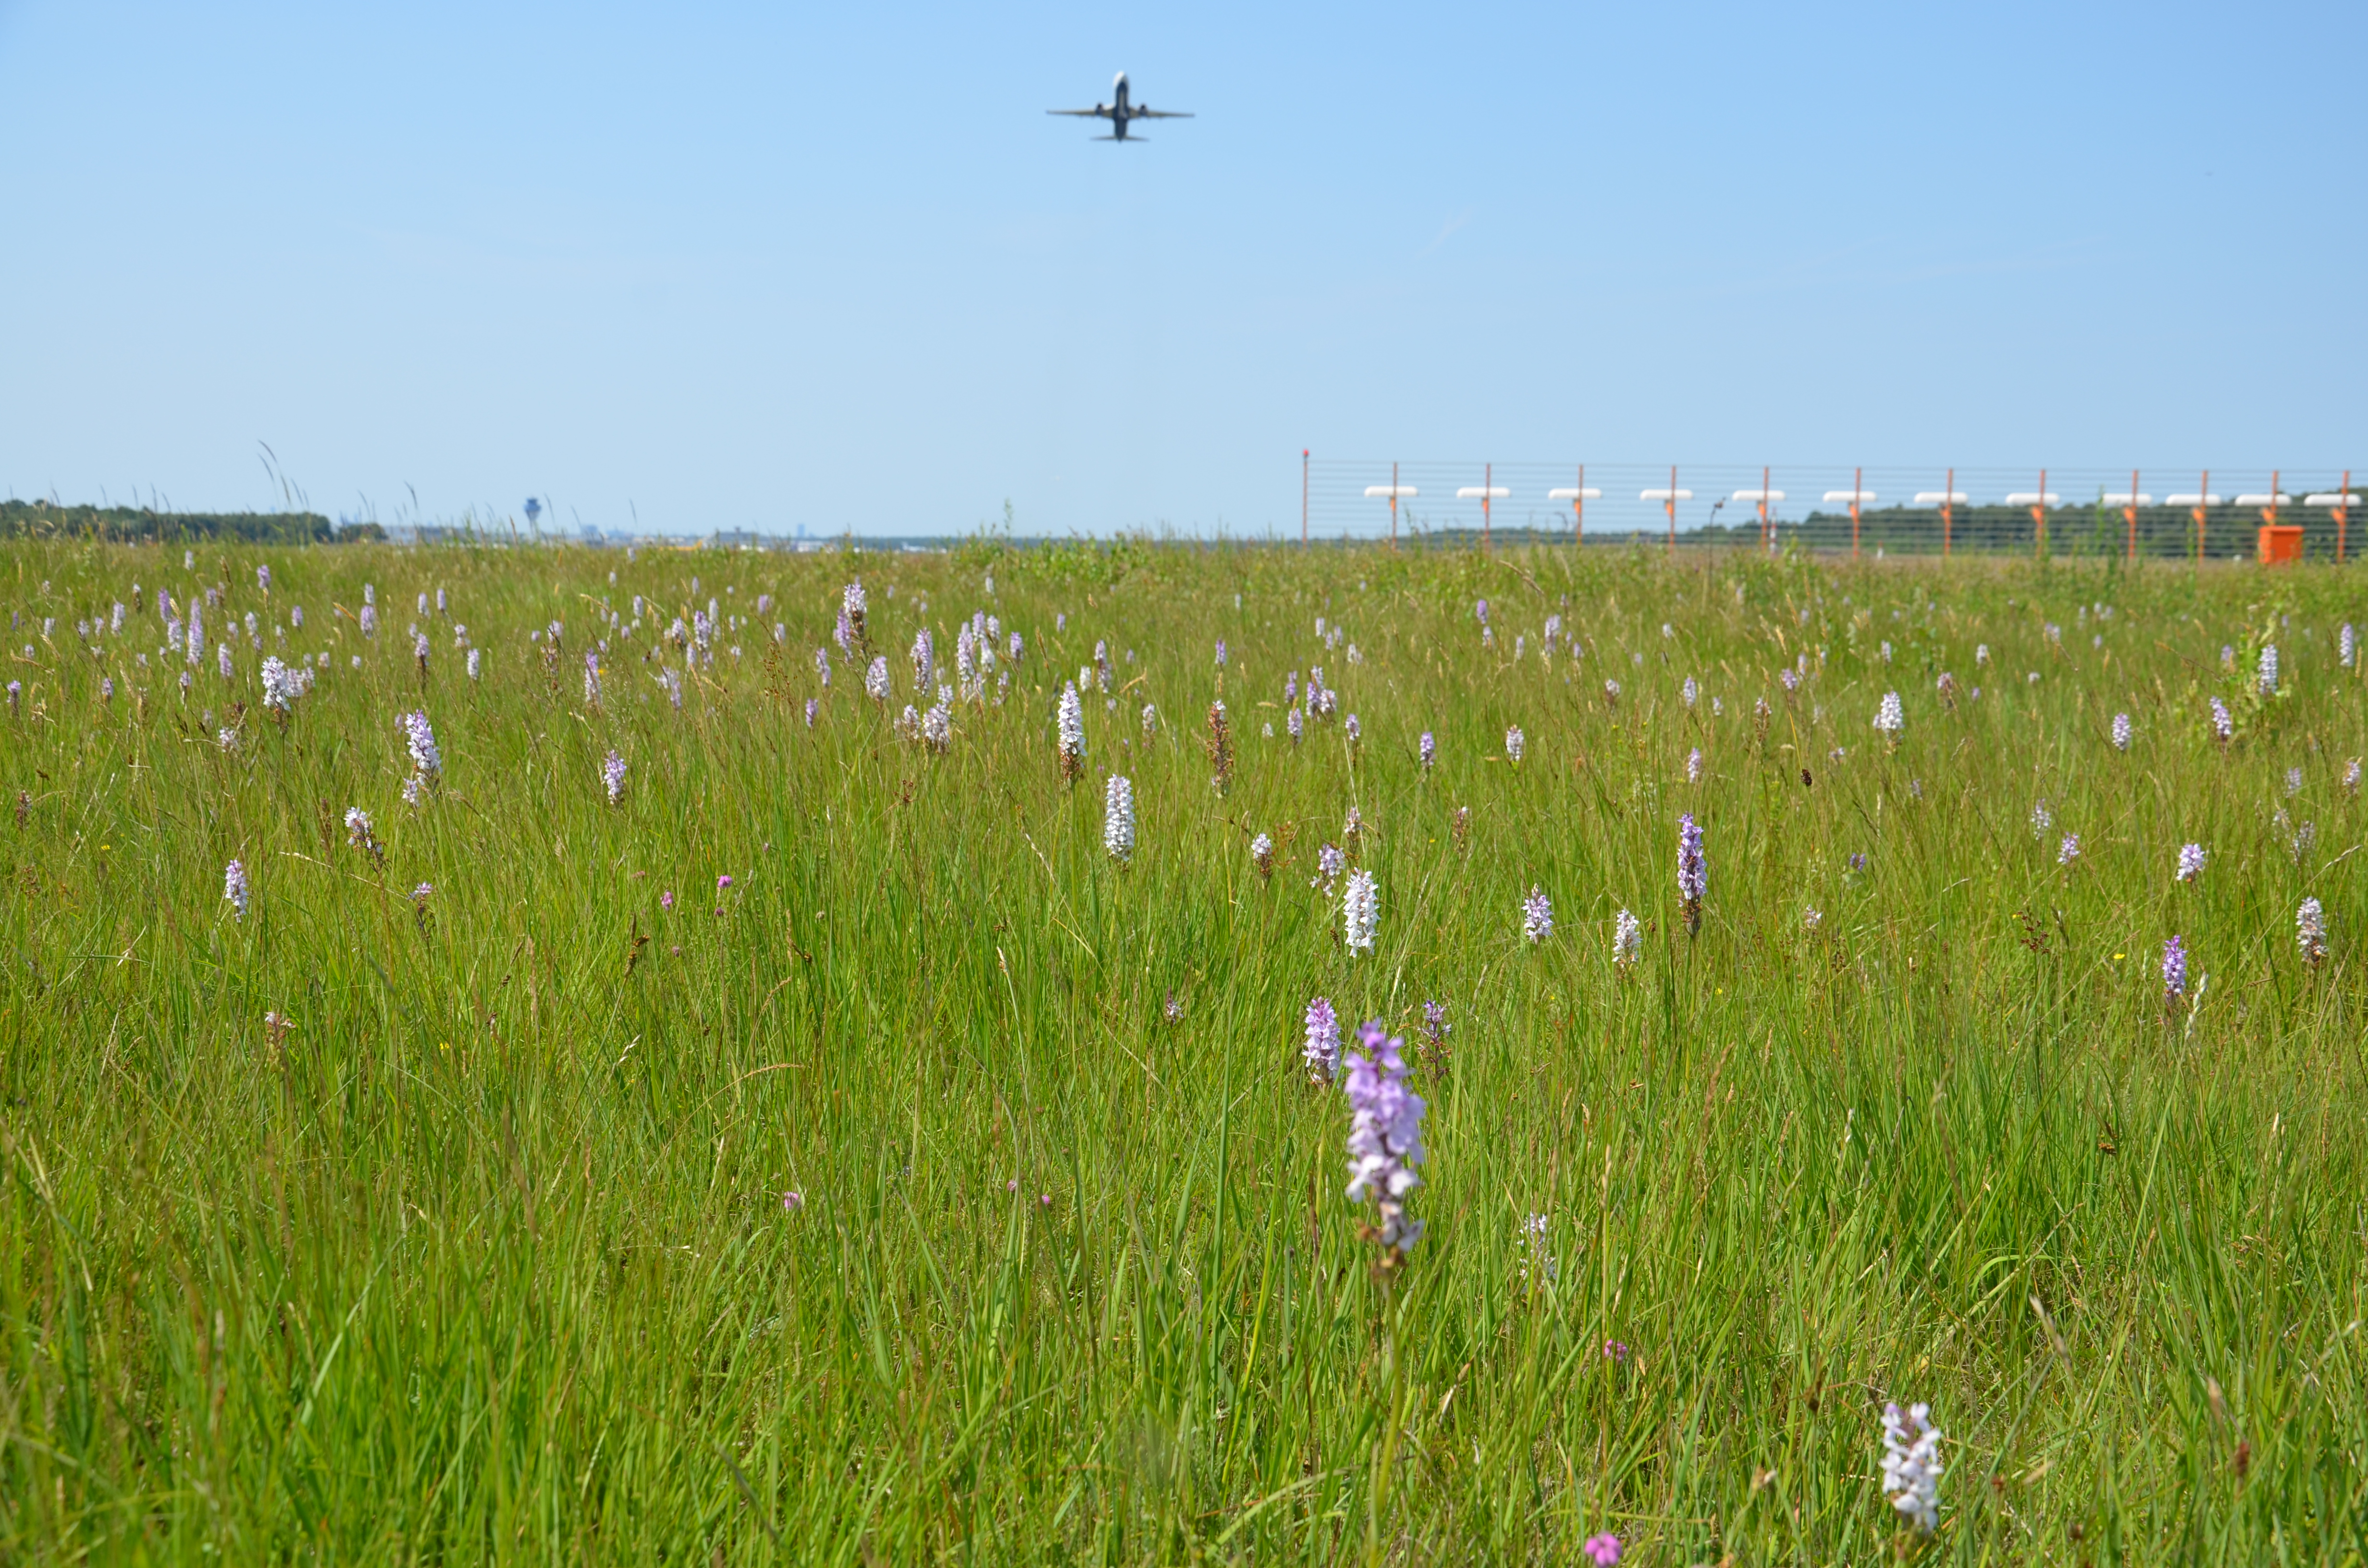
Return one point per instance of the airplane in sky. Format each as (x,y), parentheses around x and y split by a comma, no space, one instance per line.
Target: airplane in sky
(1119,112)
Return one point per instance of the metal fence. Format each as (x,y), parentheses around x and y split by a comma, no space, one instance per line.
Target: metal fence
(2195,514)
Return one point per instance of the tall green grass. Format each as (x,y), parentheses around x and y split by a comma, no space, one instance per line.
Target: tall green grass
(488,1256)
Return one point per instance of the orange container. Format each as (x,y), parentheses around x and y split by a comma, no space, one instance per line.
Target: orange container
(2281,544)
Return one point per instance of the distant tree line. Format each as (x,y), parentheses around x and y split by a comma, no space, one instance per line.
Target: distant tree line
(136,524)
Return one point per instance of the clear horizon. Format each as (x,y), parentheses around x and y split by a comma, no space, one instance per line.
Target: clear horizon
(735,269)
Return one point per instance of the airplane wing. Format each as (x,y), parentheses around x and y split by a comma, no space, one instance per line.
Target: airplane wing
(1096,112)
(1157,114)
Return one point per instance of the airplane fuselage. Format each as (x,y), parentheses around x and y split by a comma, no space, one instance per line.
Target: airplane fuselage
(1121,111)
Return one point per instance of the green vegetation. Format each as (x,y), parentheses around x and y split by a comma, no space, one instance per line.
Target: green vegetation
(138,525)
(485,1253)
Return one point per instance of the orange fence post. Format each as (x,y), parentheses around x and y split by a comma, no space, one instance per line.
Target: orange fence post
(2038,503)
(1391,490)
(1668,499)
(2203,508)
(2339,503)
(1579,497)
(2342,510)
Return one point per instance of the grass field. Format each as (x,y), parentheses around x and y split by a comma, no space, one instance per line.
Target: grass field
(374,1226)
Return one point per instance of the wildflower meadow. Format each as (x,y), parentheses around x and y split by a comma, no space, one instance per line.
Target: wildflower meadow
(1150,1052)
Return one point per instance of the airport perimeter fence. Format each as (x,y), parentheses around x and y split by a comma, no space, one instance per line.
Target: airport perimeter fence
(2196,515)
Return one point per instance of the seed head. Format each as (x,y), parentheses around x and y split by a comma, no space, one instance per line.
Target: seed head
(1220,744)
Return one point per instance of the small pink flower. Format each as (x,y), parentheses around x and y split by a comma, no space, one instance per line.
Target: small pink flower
(1615,1349)
(793,1201)
(1011,1186)
(1604,1549)
(723,881)
(666,899)
(1044,1199)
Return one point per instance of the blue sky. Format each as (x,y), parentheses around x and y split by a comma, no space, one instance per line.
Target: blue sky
(832,266)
